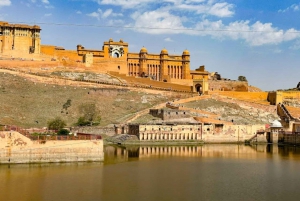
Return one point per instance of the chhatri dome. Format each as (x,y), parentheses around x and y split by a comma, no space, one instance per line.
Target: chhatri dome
(143,50)
(276,124)
(186,52)
(164,51)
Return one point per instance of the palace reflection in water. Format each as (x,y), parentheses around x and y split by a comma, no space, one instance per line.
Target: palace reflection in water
(127,153)
(208,172)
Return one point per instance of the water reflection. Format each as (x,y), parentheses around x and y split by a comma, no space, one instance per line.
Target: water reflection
(209,172)
(117,154)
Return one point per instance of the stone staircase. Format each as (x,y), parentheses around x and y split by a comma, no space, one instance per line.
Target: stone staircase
(120,139)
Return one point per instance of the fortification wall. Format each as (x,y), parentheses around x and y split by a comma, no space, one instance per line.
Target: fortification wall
(186,82)
(287,97)
(48,49)
(111,64)
(67,55)
(255,96)
(224,85)
(15,64)
(16,148)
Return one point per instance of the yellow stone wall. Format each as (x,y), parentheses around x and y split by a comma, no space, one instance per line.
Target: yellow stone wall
(283,96)
(18,39)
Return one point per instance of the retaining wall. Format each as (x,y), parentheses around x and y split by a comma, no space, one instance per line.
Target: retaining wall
(16,148)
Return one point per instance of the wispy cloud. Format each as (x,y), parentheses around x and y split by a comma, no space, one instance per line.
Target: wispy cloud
(45,1)
(208,7)
(99,14)
(168,39)
(5,3)
(255,34)
(293,7)
(295,46)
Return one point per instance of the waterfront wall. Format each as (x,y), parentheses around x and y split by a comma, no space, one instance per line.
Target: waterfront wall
(208,133)
(219,133)
(16,148)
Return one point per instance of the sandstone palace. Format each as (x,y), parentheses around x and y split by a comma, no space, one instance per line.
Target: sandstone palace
(172,71)
(18,39)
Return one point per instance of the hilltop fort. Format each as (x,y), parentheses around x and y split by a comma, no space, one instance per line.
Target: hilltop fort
(114,68)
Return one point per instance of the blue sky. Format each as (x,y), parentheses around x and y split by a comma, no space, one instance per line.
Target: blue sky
(259,39)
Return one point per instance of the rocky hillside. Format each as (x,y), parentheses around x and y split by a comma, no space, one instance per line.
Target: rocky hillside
(30,102)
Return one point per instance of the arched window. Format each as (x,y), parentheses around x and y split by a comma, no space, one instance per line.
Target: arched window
(116,55)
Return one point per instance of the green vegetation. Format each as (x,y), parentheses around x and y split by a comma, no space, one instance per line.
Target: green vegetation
(242,78)
(63,132)
(56,124)
(90,115)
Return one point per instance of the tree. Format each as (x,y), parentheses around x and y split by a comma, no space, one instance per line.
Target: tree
(242,78)
(63,132)
(56,124)
(90,115)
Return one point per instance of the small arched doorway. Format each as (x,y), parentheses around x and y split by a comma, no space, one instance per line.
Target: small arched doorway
(198,88)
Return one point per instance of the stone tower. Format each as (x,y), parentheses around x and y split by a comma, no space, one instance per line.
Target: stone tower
(163,65)
(143,62)
(186,64)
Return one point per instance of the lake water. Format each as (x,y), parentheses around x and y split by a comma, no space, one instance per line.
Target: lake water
(209,172)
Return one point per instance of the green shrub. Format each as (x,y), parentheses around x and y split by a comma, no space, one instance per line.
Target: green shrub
(56,124)
(63,132)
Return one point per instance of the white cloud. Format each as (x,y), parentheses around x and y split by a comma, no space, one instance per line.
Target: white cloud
(209,7)
(294,7)
(168,39)
(94,14)
(124,3)
(107,13)
(254,34)
(5,3)
(47,14)
(78,12)
(157,22)
(296,45)
(99,14)
(46,1)
(277,51)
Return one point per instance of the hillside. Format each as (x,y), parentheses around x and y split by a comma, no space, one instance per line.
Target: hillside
(31,102)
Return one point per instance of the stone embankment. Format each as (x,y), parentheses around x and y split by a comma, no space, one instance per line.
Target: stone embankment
(16,148)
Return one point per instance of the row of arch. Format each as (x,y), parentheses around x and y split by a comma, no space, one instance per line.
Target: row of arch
(174,151)
(153,71)
(133,69)
(175,72)
(167,136)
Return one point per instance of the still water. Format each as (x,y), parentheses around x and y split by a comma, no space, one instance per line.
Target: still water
(209,172)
